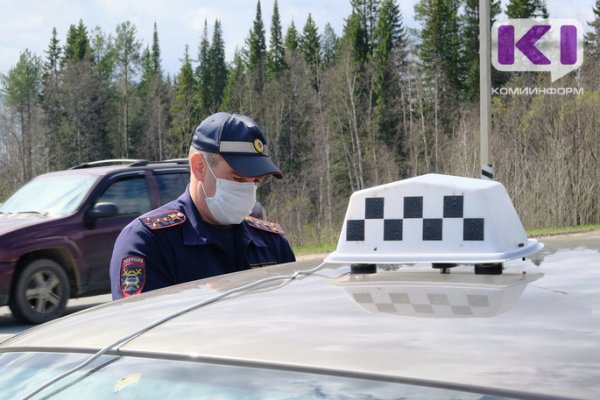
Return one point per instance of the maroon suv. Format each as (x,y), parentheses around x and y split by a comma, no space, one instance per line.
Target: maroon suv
(57,232)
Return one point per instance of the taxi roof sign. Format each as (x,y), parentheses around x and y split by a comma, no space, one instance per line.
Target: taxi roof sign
(432,218)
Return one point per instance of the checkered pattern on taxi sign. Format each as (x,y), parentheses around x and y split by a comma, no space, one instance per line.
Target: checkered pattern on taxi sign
(424,304)
(432,228)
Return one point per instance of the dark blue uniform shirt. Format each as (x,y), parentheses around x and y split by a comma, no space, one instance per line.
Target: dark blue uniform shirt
(149,256)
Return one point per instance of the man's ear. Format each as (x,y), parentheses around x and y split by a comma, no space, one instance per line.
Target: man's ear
(197,166)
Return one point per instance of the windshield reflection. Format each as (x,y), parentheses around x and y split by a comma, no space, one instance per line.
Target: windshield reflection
(50,195)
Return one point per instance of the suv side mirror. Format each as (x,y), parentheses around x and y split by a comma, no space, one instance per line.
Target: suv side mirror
(100,210)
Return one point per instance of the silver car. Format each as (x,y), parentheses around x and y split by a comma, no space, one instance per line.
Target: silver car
(293,332)
(481,324)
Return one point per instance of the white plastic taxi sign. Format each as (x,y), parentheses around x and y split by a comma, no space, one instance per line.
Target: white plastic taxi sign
(432,218)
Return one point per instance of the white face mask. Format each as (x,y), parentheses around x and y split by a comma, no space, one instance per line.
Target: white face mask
(232,201)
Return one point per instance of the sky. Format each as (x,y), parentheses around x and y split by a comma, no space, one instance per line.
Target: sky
(27,24)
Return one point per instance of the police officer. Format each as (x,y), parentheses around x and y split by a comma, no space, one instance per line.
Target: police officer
(207,230)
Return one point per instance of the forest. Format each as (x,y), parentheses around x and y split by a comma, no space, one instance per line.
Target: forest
(342,111)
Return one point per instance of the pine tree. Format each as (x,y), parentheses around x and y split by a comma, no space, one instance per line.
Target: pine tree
(275,56)
(217,68)
(104,54)
(21,89)
(527,9)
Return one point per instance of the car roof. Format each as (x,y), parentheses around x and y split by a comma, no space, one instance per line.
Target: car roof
(105,167)
(543,342)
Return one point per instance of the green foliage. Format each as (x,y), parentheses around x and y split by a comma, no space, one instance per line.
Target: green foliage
(22,85)
(310,46)
(52,56)
(256,51)
(292,38)
(470,22)
(217,68)
(77,47)
(184,114)
(329,46)
(592,37)
(354,38)
(203,74)
(368,10)
(388,103)
(275,56)
(527,9)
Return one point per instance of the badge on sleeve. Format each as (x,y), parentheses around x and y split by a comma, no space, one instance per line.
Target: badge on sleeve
(133,275)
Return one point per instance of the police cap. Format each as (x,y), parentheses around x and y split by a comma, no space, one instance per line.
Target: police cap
(239,140)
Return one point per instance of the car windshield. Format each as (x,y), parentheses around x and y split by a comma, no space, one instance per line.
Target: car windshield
(111,377)
(50,195)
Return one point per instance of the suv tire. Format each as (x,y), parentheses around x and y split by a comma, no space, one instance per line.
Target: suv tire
(40,293)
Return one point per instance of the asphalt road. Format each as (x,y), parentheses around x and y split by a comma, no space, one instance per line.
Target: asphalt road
(10,326)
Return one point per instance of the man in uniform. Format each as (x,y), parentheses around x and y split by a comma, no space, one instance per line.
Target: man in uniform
(207,230)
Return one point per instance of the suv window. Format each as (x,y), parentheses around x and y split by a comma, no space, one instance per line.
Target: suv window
(171,184)
(130,195)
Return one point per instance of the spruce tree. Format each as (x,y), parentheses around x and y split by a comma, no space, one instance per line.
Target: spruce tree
(52,56)
(128,57)
(275,56)
(354,38)
(440,48)
(527,9)
(292,38)
(155,55)
(470,21)
(592,38)
(369,12)
(217,68)
(77,46)
(329,45)
(256,49)
(183,111)
(310,46)
(203,74)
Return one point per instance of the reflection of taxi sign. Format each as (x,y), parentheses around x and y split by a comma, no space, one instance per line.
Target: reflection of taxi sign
(430,295)
(432,218)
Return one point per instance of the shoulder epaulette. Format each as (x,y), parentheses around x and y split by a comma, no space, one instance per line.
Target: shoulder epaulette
(164,219)
(265,225)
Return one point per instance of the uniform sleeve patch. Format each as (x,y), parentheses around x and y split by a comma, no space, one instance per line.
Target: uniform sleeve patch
(132,277)
(163,220)
(265,225)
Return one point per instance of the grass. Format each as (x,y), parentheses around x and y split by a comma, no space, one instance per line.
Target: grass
(562,230)
(314,248)
(328,247)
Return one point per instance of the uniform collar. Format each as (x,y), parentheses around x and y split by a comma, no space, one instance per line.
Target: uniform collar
(195,233)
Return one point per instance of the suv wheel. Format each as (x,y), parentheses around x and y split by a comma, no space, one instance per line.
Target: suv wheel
(41,292)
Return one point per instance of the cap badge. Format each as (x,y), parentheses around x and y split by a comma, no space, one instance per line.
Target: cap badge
(259,146)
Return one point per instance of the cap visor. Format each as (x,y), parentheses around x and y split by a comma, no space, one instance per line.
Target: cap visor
(252,166)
